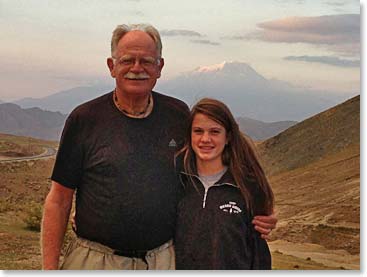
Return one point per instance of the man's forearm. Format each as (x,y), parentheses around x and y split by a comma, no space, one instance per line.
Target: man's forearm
(55,219)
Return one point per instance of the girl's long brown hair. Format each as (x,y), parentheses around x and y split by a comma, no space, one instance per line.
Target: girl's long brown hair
(239,155)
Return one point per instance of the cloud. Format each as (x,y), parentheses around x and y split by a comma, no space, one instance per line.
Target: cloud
(322,29)
(237,37)
(336,4)
(138,13)
(329,60)
(351,50)
(299,2)
(327,30)
(205,41)
(180,32)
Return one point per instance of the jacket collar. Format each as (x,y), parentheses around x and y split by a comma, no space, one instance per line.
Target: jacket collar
(226,179)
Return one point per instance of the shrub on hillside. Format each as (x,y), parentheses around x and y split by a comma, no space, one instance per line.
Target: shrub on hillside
(5,205)
(33,216)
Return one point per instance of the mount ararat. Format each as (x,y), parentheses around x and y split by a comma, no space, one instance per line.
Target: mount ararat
(245,91)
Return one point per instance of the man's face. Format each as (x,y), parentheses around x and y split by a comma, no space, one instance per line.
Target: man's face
(135,64)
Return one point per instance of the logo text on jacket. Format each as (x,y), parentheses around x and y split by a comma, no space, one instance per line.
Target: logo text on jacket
(230,207)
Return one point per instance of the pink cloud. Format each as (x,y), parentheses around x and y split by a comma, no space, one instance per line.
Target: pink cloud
(341,33)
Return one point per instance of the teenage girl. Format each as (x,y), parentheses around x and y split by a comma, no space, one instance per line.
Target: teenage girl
(224,188)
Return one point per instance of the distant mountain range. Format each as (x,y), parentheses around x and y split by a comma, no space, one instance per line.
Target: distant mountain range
(263,107)
(259,130)
(42,124)
(246,92)
(64,101)
(32,122)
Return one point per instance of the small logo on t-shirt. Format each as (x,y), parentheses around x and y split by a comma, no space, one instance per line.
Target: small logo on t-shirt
(172,143)
(231,208)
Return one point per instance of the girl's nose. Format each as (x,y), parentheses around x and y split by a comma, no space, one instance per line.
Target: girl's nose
(205,137)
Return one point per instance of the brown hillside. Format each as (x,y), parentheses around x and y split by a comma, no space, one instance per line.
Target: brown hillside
(314,169)
(18,146)
(319,204)
(23,187)
(308,141)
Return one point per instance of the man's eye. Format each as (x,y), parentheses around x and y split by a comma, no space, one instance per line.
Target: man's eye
(126,61)
(147,62)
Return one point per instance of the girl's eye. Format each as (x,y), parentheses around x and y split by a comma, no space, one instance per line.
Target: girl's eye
(197,131)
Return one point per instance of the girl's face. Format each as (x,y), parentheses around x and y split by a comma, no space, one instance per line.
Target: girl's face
(208,139)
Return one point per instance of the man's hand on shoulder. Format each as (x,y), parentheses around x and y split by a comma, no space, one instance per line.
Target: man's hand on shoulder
(264,224)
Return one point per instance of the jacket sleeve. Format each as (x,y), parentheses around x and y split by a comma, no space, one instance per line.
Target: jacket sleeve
(261,253)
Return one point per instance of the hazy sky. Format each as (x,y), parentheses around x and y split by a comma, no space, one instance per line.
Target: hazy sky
(48,46)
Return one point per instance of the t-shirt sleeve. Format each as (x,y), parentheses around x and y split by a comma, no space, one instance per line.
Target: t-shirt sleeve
(68,165)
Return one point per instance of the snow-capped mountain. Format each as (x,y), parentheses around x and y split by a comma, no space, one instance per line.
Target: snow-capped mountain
(245,91)
(248,93)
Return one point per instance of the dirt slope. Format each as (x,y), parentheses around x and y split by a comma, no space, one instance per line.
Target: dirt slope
(314,169)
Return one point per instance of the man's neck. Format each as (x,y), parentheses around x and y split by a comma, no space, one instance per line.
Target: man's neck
(134,105)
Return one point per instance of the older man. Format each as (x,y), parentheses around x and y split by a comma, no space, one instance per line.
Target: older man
(117,152)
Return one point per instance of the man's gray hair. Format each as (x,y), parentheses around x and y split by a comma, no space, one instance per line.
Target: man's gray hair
(123,29)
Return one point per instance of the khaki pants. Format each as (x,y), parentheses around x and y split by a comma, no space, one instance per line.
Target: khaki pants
(85,254)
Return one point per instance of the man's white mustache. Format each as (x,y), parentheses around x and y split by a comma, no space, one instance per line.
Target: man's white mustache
(139,76)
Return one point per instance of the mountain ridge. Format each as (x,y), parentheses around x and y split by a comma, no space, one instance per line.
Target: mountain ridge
(32,122)
(64,101)
(259,130)
(321,133)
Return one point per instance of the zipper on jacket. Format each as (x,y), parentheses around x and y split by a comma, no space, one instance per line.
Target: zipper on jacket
(215,185)
(207,188)
(205,194)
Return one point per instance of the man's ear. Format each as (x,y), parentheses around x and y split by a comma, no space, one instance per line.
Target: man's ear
(160,66)
(111,66)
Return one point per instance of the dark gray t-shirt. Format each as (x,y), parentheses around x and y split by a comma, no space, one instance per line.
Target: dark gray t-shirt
(123,170)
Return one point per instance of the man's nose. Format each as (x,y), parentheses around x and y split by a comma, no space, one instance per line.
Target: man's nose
(137,67)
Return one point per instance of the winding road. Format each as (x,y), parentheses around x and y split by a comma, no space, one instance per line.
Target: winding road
(47,153)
